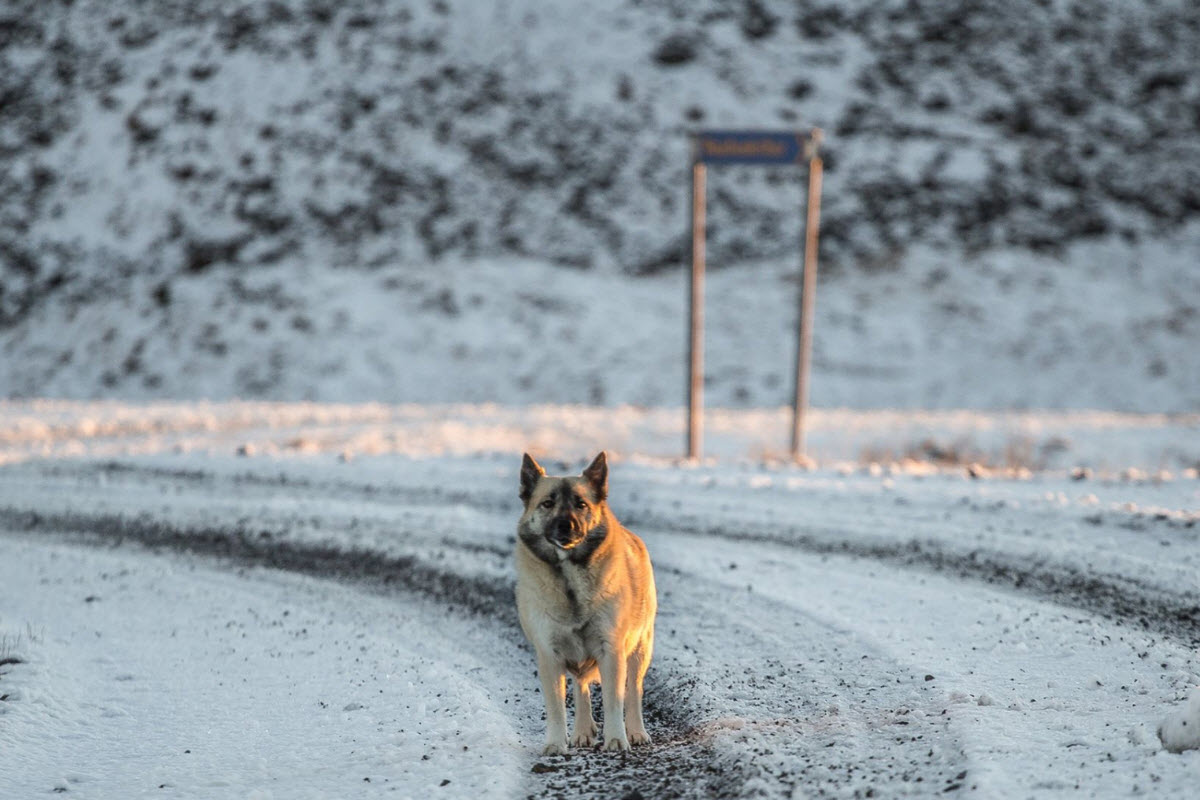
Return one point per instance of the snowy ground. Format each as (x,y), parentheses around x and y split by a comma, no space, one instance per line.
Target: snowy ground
(315,613)
(164,673)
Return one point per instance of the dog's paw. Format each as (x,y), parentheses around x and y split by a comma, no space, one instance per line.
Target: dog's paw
(555,749)
(584,737)
(616,744)
(639,737)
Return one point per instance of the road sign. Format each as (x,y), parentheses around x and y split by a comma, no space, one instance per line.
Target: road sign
(749,147)
(752,147)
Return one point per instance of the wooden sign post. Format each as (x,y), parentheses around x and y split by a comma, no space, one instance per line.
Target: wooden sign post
(696,315)
(751,147)
(808,297)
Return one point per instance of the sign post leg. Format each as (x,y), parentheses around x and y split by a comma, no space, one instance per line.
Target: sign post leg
(696,315)
(808,299)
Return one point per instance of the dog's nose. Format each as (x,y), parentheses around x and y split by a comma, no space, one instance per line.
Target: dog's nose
(562,531)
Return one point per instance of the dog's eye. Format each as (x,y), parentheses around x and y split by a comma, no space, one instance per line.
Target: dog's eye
(547,503)
(579,503)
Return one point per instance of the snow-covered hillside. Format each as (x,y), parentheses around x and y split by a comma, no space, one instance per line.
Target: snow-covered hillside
(304,199)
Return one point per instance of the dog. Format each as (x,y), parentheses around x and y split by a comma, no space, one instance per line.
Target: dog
(586,600)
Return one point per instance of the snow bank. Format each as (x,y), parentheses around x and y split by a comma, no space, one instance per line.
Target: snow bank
(1181,729)
(1132,448)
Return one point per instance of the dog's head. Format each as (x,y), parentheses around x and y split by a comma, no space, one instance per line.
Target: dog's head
(562,511)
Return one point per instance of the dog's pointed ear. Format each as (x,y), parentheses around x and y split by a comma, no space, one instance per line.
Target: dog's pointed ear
(596,475)
(530,472)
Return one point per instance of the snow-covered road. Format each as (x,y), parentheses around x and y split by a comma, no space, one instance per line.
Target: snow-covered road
(301,624)
(161,676)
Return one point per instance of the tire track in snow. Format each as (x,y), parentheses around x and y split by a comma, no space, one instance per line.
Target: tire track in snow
(701,736)
(814,710)
(249,546)
(695,748)
(194,674)
(675,766)
(694,739)
(1115,597)
(1035,662)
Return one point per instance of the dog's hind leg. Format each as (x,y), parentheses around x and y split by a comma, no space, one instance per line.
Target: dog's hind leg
(554,689)
(584,734)
(639,662)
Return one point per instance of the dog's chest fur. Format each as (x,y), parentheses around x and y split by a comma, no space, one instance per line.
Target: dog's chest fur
(578,642)
(559,609)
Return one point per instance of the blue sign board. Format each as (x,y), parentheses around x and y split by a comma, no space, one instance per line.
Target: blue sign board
(749,147)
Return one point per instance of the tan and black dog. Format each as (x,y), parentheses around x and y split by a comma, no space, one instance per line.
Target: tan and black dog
(586,598)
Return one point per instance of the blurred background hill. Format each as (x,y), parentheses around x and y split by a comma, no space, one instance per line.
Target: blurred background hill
(457,201)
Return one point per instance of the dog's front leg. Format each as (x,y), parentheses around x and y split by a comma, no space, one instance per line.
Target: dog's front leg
(585,725)
(639,661)
(613,670)
(554,689)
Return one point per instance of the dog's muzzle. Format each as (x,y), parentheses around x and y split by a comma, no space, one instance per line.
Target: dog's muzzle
(563,534)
